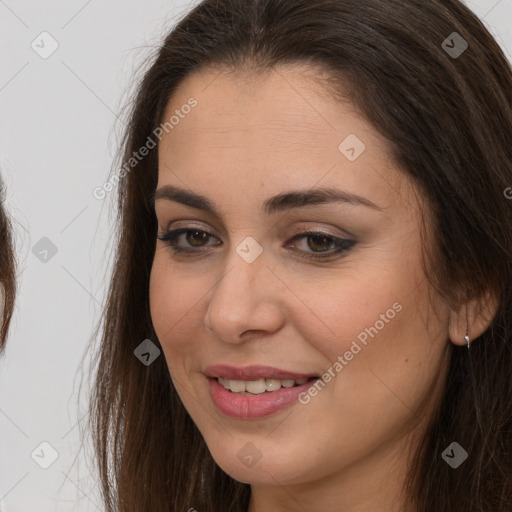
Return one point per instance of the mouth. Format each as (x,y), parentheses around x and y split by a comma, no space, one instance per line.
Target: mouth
(254,392)
(260,386)
(255,373)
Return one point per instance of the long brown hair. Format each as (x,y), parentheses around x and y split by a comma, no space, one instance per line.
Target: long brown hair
(7,269)
(448,120)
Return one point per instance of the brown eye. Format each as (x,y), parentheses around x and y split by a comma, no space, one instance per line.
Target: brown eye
(196,238)
(186,240)
(319,243)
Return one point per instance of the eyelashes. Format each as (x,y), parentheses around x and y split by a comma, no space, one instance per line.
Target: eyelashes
(318,238)
(336,246)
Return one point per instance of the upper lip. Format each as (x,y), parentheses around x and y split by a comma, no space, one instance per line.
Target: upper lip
(253,372)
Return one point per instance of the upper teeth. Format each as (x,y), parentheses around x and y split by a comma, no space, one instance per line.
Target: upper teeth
(259,386)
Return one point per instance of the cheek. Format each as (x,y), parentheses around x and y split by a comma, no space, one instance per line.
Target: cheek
(379,320)
(174,301)
(391,358)
(359,304)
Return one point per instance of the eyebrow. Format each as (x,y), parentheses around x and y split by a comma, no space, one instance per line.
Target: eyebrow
(278,203)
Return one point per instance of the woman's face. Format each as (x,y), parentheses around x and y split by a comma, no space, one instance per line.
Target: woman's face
(250,297)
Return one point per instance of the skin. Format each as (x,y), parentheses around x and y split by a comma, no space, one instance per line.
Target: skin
(250,137)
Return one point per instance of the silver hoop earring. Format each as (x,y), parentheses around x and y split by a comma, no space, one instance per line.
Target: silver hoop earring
(468,341)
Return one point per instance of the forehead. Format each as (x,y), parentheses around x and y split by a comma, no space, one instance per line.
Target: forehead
(276,127)
(285,105)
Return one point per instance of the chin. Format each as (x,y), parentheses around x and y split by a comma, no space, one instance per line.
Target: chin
(250,466)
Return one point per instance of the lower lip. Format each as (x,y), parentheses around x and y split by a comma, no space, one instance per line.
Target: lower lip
(257,406)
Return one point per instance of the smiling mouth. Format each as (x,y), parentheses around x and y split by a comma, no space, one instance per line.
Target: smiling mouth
(260,386)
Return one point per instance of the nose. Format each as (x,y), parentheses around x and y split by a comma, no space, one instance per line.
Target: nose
(245,302)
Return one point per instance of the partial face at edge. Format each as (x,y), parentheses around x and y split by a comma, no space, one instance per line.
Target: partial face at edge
(300,305)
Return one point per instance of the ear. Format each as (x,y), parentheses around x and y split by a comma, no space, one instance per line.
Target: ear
(475,316)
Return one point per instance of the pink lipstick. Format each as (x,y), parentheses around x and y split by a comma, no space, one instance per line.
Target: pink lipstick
(253,392)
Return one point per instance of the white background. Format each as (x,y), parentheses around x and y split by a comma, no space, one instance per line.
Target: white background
(58,135)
